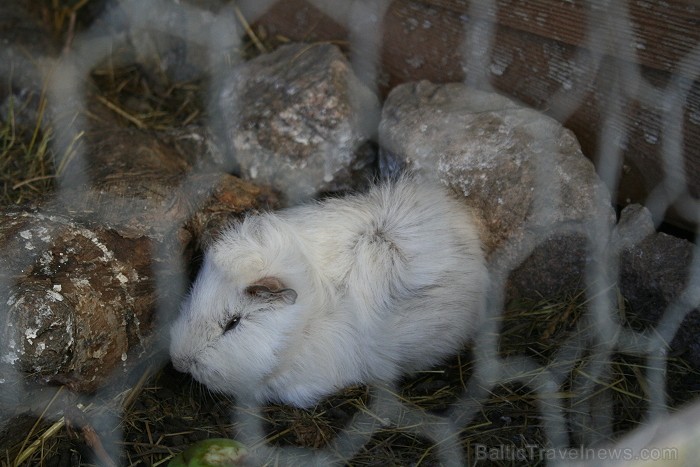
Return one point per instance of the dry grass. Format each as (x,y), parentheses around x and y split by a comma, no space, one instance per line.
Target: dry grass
(167,411)
(148,101)
(26,169)
(136,96)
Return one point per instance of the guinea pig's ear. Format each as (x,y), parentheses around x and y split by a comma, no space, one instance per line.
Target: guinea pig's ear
(271,289)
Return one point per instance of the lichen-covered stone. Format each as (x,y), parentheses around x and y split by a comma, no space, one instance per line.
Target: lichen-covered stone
(82,303)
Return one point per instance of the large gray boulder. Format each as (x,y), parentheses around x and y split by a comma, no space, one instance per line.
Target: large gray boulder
(522,172)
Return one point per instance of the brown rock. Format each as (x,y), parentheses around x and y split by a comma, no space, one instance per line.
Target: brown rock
(144,182)
(83,301)
(299,120)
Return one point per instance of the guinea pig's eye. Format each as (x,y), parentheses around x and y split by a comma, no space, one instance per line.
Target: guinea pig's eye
(231,325)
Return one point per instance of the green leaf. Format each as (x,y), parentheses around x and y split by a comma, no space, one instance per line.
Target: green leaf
(215,452)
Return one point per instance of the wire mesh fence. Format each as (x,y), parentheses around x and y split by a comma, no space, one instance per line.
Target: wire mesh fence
(573,408)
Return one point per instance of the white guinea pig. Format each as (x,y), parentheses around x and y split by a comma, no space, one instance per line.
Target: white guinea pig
(291,306)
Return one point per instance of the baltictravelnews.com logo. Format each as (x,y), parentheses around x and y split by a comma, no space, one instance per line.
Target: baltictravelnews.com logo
(533,452)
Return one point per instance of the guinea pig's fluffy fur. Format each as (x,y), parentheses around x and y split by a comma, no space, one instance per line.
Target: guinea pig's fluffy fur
(291,306)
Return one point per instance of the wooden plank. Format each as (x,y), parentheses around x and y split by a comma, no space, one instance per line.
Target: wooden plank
(665,32)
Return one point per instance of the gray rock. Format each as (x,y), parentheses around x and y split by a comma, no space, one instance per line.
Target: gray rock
(635,225)
(653,275)
(565,255)
(298,119)
(521,171)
